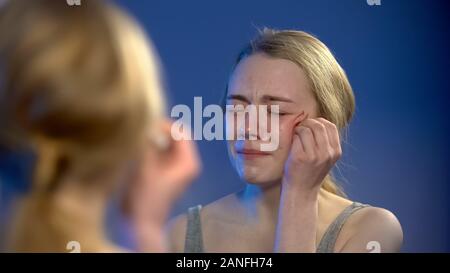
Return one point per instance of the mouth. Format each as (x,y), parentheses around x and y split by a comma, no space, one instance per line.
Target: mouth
(251,153)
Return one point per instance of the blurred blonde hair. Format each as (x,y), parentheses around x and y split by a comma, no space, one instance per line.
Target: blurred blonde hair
(328,81)
(80,88)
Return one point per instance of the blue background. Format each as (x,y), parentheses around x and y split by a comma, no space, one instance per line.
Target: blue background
(397,58)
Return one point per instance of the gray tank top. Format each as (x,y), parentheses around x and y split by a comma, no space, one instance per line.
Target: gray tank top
(194,239)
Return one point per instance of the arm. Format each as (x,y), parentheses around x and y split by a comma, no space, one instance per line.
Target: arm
(372,230)
(176,232)
(160,178)
(315,149)
(297,209)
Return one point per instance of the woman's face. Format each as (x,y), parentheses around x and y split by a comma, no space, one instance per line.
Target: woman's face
(263,80)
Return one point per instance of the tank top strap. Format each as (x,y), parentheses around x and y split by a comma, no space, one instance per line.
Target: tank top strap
(194,241)
(329,238)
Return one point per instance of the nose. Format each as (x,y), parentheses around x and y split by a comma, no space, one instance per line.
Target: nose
(248,125)
(251,127)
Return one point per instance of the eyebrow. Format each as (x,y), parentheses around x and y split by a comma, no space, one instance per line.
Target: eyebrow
(264,98)
(238,97)
(275,98)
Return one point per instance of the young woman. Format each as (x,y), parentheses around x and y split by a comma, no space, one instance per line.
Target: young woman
(80,89)
(290,202)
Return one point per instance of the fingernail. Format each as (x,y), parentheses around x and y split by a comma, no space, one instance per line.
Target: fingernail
(301,114)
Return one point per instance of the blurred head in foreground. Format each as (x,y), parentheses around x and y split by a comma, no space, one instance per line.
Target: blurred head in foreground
(80,88)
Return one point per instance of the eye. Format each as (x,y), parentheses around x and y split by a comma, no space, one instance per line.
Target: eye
(235,108)
(282,114)
(275,112)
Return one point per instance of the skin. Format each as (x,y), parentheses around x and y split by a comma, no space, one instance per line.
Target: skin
(162,175)
(159,176)
(283,207)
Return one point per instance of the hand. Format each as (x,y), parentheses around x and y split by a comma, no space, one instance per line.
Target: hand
(314,151)
(161,176)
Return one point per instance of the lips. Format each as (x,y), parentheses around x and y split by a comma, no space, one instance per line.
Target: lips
(248,153)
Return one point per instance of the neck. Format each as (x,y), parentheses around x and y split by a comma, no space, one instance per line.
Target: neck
(80,213)
(261,202)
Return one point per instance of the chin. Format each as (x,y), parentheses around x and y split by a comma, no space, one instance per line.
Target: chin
(261,178)
(257,172)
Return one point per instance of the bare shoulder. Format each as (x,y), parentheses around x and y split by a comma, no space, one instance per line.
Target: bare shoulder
(371,229)
(210,213)
(220,210)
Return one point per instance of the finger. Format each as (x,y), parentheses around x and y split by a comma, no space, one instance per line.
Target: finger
(170,149)
(185,157)
(297,142)
(319,132)
(333,134)
(175,163)
(299,118)
(307,140)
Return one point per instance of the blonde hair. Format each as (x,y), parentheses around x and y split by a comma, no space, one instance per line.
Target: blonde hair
(81,89)
(328,81)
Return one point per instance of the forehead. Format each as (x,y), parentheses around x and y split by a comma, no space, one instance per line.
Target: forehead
(260,74)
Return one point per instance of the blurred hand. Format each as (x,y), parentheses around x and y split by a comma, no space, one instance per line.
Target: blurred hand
(166,168)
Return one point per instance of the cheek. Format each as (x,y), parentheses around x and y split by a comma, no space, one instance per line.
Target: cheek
(230,127)
(285,138)
(232,154)
(230,149)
